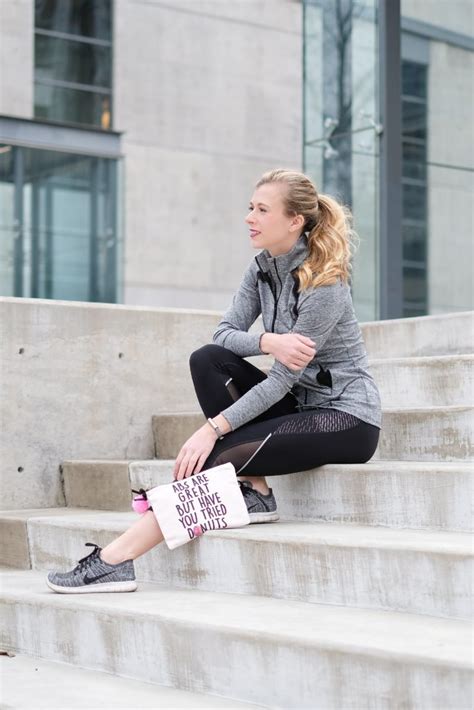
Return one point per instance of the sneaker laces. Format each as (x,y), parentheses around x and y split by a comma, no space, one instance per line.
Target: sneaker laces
(86,561)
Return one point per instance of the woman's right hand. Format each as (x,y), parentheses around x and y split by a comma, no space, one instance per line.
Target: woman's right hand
(291,349)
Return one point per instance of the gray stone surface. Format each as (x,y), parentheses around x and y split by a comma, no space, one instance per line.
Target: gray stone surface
(427,434)
(257,649)
(103,485)
(447,334)
(30,683)
(83,380)
(422,434)
(416,571)
(16,57)
(196,129)
(405,494)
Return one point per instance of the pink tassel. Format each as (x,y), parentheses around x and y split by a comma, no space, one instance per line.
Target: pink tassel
(140,505)
(197,530)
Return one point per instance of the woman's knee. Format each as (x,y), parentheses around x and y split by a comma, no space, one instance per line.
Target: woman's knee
(205,354)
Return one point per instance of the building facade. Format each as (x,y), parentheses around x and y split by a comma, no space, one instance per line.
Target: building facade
(133,131)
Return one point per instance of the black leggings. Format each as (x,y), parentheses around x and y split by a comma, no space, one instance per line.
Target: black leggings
(282,439)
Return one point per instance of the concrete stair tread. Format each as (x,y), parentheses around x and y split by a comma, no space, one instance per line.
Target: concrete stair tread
(386,464)
(395,635)
(421,359)
(285,532)
(30,683)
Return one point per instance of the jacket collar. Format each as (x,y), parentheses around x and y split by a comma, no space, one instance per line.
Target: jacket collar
(284,262)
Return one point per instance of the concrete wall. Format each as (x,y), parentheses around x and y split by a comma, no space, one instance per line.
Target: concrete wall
(453,15)
(16,57)
(66,393)
(209,97)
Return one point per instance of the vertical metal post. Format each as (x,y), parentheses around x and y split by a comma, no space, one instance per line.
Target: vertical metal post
(94,196)
(49,241)
(110,272)
(390,232)
(18,235)
(35,239)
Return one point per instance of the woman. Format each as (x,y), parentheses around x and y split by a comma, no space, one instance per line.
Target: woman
(319,404)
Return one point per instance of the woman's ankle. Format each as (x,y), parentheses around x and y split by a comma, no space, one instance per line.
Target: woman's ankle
(258,483)
(111,557)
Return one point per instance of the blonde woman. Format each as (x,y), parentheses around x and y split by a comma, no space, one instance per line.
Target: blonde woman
(318,404)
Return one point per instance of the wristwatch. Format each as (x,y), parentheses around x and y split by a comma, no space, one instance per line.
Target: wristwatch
(219,433)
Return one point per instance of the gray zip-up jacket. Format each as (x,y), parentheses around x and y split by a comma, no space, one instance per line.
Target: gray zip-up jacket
(337,377)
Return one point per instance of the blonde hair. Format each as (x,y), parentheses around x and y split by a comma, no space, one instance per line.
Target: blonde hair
(331,239)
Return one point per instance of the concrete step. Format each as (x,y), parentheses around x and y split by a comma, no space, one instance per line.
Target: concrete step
(423,381)
(402,570)
(423,434)
(401,494)
(30,683)
(443,334)
(283,654)
(427,434)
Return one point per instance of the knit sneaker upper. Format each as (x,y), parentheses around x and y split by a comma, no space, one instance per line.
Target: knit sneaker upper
(92,570)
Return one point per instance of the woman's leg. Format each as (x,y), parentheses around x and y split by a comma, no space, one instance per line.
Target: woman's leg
(220,377)
(296,442)
(138,539)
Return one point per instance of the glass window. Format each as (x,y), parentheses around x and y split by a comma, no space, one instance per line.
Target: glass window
(340,111)
(72,106)
(70,60)
(414,202)
(414,79)
(89,18)
(414,242)
(70,69)
(413,119)
(414,160)
(63,243)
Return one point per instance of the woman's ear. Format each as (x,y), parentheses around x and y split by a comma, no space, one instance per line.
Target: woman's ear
(297,222)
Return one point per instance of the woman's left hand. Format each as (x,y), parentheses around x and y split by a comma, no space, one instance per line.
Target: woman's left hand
(194,453)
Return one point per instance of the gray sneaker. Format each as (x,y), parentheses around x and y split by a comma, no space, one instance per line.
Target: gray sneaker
(261,508)
(94,575)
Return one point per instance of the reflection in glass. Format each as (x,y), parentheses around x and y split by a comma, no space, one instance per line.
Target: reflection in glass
(340,110)
(8,223)
(56,103)
(69,60)
(90,18)
(68,226)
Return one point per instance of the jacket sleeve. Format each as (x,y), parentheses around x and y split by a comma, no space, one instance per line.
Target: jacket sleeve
(245,308)
(319,311)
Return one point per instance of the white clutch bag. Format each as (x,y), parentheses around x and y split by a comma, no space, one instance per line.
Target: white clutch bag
(210,500)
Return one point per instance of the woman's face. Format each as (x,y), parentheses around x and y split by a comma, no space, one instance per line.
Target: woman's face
(270,227)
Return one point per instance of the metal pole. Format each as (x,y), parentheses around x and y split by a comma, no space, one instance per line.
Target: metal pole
(390,224)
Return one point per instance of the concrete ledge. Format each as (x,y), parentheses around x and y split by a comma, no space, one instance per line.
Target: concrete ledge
(404,494)
(427,434)
(282,654)
(422,434)
(14,551)
(443,334)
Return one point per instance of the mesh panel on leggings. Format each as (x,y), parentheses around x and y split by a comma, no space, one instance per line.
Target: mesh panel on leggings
(323,421)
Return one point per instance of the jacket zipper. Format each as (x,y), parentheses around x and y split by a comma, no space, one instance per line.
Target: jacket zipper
(276,299)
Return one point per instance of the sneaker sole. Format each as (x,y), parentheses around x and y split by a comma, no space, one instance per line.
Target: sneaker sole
(263,517)
(94,588)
